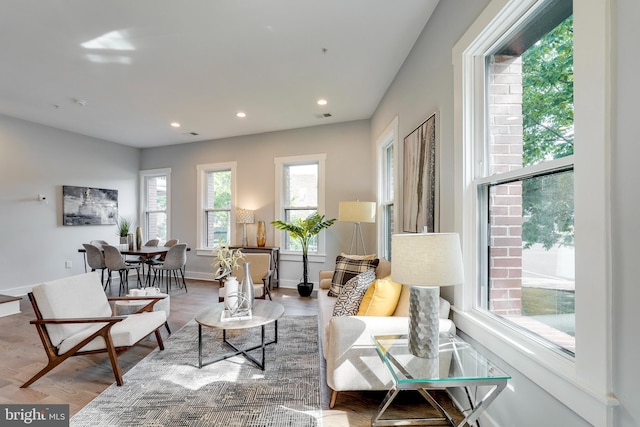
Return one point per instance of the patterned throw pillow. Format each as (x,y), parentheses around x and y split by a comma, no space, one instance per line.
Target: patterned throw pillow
(352,292)
(347,268)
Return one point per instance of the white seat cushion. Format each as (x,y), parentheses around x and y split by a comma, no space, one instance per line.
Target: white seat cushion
(125,333)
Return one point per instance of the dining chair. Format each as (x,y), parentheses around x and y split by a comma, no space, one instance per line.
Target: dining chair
(174,262)
(114,261)
(141,260)
(95,258)
(99,243)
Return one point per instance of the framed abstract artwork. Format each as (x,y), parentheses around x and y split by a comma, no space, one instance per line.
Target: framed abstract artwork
(419,181)
(89,206)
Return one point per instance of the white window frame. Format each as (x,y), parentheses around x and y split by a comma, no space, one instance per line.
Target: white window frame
(202,171)
(144,175)
(582,383)
(279,236)
(388,138)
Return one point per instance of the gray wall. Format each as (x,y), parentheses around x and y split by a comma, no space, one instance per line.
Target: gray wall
(348,172)
(36,160)
(425,84)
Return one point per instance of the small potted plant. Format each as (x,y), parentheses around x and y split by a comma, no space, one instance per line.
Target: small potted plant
(124,229)
(303,230)
(226,260)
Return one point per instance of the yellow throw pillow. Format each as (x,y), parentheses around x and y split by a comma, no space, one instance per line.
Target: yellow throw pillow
(381,298)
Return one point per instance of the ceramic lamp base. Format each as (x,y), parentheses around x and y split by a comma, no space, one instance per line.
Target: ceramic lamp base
(424,324)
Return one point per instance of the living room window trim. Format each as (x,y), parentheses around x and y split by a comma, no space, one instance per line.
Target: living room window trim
(201,196)
(144,175)
(280,164)
(583,384)
(388,138)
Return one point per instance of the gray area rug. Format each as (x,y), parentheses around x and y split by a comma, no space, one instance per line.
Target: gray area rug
(167,389)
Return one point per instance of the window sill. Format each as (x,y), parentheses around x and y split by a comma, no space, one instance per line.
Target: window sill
(553,372)
(297,256)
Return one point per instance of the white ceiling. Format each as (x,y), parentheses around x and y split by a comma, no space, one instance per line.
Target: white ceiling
(141,64)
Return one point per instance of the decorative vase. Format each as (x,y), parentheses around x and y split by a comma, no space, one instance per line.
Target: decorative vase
(305,289)
(130,239)
(139,237)
(261,235)
(231,294)
(247,286)
(124,243)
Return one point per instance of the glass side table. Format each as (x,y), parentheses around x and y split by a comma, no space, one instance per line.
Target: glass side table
(458,365)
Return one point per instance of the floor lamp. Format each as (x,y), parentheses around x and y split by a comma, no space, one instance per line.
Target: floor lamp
(357,212)
(244,217)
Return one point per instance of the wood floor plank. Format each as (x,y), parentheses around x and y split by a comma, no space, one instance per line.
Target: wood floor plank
(79,380)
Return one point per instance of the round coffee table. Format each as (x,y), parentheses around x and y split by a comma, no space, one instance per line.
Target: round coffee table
(263,313)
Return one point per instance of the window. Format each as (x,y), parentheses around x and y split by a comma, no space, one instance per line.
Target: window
(299,193)
(216,202)
(533,207)
(155,201)
(526,193)
(386,187)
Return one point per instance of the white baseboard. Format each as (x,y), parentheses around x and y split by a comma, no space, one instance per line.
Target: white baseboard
(9,308)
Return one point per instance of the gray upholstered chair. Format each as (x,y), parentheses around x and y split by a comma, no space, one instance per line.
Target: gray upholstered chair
(114,262)
(174,262)
(95,259)
(141,260)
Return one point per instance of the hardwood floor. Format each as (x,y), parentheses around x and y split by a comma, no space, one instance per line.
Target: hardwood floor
(79,380)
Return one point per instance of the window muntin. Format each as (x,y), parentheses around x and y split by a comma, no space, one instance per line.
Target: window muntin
(387,202)
(155,204)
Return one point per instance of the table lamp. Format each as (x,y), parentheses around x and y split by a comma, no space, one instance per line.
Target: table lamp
(426,262)
(244,217)
(357,212)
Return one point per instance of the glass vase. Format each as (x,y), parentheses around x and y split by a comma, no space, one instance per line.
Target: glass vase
(247,286)
(261,235)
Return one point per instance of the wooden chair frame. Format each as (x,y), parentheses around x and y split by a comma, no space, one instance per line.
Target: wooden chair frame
(105,332)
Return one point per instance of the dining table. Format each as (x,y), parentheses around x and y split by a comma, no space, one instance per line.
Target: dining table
(147,252)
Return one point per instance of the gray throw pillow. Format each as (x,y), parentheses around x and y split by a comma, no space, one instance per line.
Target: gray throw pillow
(351,294)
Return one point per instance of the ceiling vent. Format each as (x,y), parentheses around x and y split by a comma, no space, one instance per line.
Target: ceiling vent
(322,116)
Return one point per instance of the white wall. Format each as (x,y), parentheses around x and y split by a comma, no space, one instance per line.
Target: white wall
(38,159)
(425,84)
(347,178)
(625,236)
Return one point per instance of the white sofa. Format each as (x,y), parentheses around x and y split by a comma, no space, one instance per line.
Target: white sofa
(351,359)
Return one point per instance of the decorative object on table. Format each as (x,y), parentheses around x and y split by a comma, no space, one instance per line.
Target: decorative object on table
(426,261)
(138,237)
(226,260)
(231,287)
(124,229)
(244,217)
(419,183)
(131,241)
(261,234)
(247,285)
(357,212)
(89,206)
(304,230)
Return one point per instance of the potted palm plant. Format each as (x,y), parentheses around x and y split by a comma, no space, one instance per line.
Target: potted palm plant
(303,230)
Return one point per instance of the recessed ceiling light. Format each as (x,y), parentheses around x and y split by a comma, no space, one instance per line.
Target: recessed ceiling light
(175,124)
(241,114)
(322,102)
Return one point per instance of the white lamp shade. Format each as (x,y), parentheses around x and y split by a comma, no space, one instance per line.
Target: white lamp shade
(431,259)
(357,211)
(244,216)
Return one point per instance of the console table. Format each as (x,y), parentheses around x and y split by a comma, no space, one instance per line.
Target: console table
(275,258)
(458,365)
